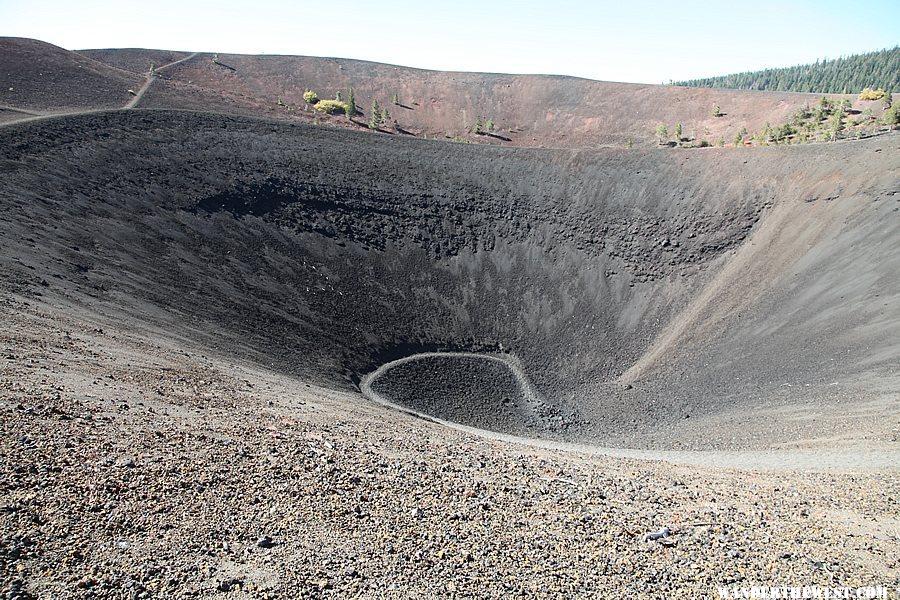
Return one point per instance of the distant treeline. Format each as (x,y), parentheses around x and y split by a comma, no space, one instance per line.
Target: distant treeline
(847,75)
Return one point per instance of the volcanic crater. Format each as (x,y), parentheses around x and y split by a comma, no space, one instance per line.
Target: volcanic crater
(637,291)
(244,354)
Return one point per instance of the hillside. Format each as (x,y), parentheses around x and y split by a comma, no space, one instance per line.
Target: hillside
(524,110)
(846,75)
(528,110)
(40,77)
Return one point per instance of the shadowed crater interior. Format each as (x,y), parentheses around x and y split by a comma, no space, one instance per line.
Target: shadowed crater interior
(652,298)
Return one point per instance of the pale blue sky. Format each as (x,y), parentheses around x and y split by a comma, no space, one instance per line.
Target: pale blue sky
(627,40)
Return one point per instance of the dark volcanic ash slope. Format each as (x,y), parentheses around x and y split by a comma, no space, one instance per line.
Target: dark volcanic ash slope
(705,281)
(41,77)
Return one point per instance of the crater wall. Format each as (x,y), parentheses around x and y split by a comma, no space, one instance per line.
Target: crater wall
(638,288)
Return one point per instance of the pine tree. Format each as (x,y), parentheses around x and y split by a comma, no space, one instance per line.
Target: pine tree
(351,104)
(479,126)
(837,124)
(768,134)
(662,134)
(396,99)
(879,69)
(891,118)
(337,96)
(375,117)
(678,132)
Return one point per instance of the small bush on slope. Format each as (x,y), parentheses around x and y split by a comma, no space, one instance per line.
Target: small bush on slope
(331,107)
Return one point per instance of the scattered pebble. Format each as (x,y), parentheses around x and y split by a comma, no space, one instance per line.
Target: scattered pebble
(324,480)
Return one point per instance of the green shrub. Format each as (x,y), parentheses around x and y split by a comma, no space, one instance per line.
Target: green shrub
(311,97)
(331,107)
(870,94)
(800,116)
(891,118)
(779,133)
(836,125)
(662,134)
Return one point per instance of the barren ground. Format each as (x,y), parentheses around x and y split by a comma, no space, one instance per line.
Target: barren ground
(527,110)
(194,304)
(132,466)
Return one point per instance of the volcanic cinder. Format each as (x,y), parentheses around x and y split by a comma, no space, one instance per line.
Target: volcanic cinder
(654,299)
(725,299)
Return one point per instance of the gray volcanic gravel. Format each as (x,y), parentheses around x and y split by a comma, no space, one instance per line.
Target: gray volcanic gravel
(686,300)
(190,305)
(481,391)
(132,467)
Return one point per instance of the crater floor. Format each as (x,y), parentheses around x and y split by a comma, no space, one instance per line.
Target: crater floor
(479,390)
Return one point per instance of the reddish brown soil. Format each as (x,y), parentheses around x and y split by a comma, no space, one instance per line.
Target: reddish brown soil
(528,110)
(136,60)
